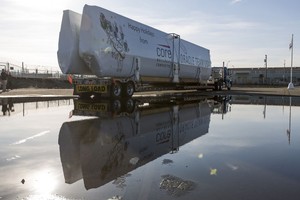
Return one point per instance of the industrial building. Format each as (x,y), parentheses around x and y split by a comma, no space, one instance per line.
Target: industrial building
(265,76)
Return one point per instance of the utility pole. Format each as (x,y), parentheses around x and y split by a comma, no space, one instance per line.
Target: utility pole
(284,70)
(291,85)
(266,66)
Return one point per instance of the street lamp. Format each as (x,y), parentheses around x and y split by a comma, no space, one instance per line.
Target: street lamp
(266,65)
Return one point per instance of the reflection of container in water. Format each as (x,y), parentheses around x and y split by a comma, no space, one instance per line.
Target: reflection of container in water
(100,150)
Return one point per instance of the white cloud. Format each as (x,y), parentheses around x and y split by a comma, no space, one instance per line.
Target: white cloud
(235,1)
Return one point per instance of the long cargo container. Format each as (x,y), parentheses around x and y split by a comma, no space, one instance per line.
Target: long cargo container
(126,55)
(68,45)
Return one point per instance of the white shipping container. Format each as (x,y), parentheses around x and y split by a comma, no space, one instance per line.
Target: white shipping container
(116,46)
(68,45)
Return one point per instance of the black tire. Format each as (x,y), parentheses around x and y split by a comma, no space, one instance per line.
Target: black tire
(220,83)
(116,89)
(116,106)
(128,89)
(216,85)
(129,105)
(229,85)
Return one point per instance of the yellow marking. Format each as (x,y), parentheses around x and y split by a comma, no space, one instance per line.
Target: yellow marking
(92,88)
(97,107)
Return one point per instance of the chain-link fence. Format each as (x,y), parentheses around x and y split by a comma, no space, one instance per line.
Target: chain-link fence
(32,71)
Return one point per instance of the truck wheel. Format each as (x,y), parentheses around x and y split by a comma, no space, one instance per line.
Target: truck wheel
(116,89)
(216,87)
(129,89)
(220,85)
(229,85)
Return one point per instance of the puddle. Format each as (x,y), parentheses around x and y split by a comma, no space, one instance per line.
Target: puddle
(184,147)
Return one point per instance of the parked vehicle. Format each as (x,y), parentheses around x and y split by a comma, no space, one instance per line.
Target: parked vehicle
(127,56)
(220,78)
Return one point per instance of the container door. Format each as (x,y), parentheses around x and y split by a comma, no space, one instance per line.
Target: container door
(175,57)
(137,67)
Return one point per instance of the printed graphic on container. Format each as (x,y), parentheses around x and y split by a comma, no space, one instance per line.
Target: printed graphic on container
(115,38)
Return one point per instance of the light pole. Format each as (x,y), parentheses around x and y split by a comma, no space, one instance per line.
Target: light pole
(291,85)
(266,66)
(283,71)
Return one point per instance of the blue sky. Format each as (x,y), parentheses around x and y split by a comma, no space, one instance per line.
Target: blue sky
(238,32)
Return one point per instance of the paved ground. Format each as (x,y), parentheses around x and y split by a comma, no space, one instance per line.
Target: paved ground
(37,92)
(282,91)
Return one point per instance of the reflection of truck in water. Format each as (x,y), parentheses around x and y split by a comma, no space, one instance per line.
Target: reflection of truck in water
(125,56)
(99,150)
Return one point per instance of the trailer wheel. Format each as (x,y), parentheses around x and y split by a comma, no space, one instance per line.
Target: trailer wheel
(116,106)
(129,106)
(129,89)
(116,89)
